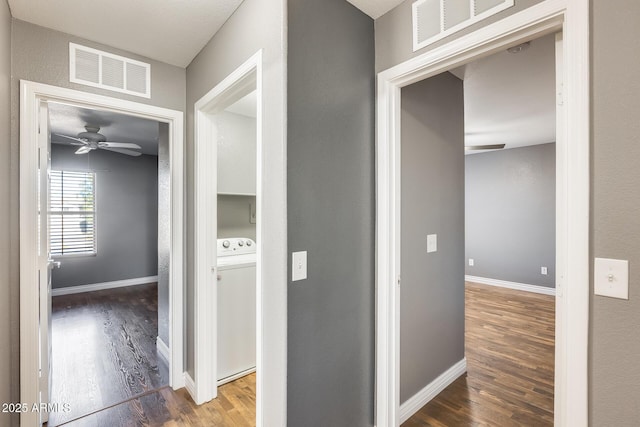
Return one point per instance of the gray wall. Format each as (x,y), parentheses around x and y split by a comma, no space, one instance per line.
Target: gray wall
(255,25)
(330,194)
(126,218)
(432,289)
(615,228)
(394,40)
(8,294)
(510,214)
(42,55)
(164,231)
(233,216)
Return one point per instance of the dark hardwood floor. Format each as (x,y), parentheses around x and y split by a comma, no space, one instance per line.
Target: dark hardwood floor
(104,350)
(509,345)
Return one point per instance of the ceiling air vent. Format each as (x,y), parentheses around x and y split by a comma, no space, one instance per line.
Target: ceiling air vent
(96,68)
(436,19)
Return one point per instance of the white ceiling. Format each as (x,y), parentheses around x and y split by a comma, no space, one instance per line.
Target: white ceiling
(375,8)
(510,98)
(69,120)
(171,31)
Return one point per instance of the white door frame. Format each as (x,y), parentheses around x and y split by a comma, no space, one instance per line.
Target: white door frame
(31,94)
(271,308)
(572,210)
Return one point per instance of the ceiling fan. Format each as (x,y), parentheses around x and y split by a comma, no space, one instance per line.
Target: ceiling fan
(92,140)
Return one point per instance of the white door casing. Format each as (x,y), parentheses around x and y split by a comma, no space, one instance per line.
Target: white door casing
(33,151)
(572,210)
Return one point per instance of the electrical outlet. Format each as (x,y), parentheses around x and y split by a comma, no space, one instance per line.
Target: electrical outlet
(432,243)
(471,262)
(543,271)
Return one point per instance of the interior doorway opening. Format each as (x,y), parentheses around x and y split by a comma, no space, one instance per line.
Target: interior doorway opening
(36,261)
(570,400)
(490,211)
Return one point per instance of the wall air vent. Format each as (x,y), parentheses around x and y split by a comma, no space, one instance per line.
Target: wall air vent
(96,68)
(436,19)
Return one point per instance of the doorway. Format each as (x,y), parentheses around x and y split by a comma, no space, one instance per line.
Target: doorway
(35,255)
(493,205)
(572,185)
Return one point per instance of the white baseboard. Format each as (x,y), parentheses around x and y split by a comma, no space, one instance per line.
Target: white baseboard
(190,385)
(163,350)
(511,285)
(101,286)
(421,398)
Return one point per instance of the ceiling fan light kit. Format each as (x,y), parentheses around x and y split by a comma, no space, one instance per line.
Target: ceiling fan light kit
(92,140)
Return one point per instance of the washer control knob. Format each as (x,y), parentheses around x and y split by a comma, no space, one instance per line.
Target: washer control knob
(240,243)
(226,244)
(249,243)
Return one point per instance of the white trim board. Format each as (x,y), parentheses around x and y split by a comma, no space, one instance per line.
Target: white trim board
(511,285)
(68,290)
(424,396)
(572,196)
(163,349)
(189,384)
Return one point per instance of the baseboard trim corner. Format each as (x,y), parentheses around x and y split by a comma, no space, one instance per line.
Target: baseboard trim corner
(421,398)
(511,285)
(163,350)
(68,290)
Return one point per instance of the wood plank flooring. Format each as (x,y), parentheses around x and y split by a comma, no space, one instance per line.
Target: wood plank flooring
(104,349)
(509,345)
(234,407)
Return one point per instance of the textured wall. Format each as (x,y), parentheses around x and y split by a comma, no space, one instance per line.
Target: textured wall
(42,55)
(126,218)
(164,231)
(330,169)
(255,25)
(394,39)
(432,290)
(615,232)
(8,292)
(510,214)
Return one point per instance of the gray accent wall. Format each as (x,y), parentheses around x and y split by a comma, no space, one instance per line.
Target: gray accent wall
(510,204)
(126,218)
(234,216)
(8,276)
(615,226)
(394,39)
(432,177)
(256,25)
(330,192)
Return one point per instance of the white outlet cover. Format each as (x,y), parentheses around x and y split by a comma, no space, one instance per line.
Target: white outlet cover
(432,243)
(299,266)
(543,270)
(611,278)
(471,262)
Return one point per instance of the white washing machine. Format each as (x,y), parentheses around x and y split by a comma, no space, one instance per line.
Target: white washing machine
(236,308)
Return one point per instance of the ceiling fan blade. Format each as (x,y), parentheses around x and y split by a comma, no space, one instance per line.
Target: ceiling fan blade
(483,147)
(122,151)
(83,150)
(76,141)
(119,145)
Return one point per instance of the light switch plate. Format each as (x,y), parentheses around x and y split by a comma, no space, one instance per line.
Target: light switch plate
(299,266)
(471,262)
(432,243)
(611,278)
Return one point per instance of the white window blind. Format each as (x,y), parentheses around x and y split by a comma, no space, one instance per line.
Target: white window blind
(72,224)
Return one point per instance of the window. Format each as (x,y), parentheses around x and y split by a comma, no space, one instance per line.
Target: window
(72,224)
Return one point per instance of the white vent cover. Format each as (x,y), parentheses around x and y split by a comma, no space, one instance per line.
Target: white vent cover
(436,19)
(96,68)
